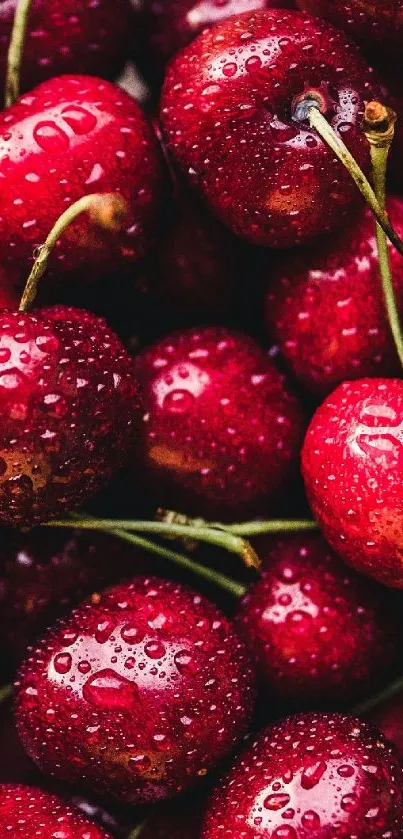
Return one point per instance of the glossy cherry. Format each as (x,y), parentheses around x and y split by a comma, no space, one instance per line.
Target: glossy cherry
(229,113)
(68,405)
(157,682)
(324,306)
(72,136)
(320,635)
(221,429)
(30,812)
(377,27)
(69,36)
(43,574)
(388,718)
(352,463)
(321,776)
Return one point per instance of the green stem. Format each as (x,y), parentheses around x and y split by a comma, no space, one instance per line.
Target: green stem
(258,528)
(212,536)
(15,52)
(384,695)
(106,210)
(320,123)
(5,693)
(137,831)
(209,574)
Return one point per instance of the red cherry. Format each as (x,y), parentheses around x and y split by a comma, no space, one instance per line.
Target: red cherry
(221,429)
(352,463)
(72,136)
(43,574)
(377,27)
(69,36)
(325,309)
(156,681)
(168,27)
(320,776)
(388,717)
(228,111)
(319,633)
(68,403)
(30,812)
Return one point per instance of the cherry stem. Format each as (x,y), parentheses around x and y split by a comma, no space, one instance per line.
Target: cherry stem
(137,831)
(318,121)
(379,126)
(15,52)
(106,210)
(259,528)
(5,693)
(384,695)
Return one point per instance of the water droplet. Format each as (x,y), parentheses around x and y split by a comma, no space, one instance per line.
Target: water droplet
(84,666)
(310,820)
(178,401)
(154,649)
(185,663)
(253,64)
(79,119)
(104,629)
(299,621)
(68,637)
(284,832)
(345,771)
(229,69)
(108,690)
(5,355)
(277,801)
(62,663)
(312,775)
(50,137)
(132,634)
(349,802)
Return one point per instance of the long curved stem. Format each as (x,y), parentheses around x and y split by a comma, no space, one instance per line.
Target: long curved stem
(379,698)
(15,52)
(259,528)
(320,123)
(137,831)
(5,693)
(106,210)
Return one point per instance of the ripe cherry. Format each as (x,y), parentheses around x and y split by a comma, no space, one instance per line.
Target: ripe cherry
(320,635)
(221,429)
(69,403)
(352,463)
(324,306)
(69,137)
(156,681)
(231,111)
(30,812)
(388,718)
(314,775)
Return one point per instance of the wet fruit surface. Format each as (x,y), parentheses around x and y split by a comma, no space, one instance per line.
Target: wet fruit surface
(319,634)
(221,429)
(137,694)
(324,306)
(31,813)
(352,462)
(388,718)
(228,113)
(68,137)
(69,36)
(68,404)
(320,776)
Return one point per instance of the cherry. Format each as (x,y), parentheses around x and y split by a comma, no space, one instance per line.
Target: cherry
(319,634)
(325,310)
(168,27)
(69,137)
(68,404)
(352,463)
(388,718)
(377,27)
(69,36)
(43,574)
(30,812)
(232,109)
(221,429)
(156,681)
(320,776)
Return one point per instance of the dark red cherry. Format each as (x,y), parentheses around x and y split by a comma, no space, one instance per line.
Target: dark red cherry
(69,407)
(388,717)
(137,694)
(352,463)
(229,112)
(69,36)
(30,812)
(320,634)
(313,776)
(221,430)
(324,306)
(68,137)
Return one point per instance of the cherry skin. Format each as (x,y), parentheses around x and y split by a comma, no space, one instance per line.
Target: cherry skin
(352,463)
(324,307)
(377,27)
(157,682)
(72,136)
(388,718)
(43,574)
(69,36)
(221,429)
(321,776)
(228,112)
(319,634)
(68,405)
(30,812)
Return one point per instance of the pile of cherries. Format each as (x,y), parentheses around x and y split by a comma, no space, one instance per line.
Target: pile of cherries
(209,359)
